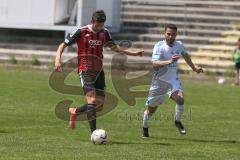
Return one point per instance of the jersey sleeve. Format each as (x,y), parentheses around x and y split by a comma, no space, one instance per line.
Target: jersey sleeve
(72,37)
(183,50)
(109,41)
(156,53)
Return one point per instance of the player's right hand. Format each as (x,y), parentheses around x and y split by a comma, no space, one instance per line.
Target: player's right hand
(199,69)
(58,66)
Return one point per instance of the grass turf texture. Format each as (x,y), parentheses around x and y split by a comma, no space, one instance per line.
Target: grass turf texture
(29,128)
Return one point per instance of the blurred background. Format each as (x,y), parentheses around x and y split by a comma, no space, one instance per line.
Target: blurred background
(30,121)
(32,29)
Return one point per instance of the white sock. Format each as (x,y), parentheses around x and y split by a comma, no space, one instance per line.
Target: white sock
(178,112)
(146,117)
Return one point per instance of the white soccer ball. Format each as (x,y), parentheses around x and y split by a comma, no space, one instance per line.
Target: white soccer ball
(221,81)
(99,136)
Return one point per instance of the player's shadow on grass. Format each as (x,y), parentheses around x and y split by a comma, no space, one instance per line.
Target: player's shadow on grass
(2,131)
(144,143)
(201,140)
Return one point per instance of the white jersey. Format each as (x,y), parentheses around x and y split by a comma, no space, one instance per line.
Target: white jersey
(162,51)
(165,79)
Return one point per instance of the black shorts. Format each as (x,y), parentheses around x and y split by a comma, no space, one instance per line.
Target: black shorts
(93,80)
(237,65)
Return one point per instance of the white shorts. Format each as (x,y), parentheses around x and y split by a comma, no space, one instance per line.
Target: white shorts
(159,88)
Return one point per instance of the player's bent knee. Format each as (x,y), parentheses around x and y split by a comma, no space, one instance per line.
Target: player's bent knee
(91,97)
(151,109)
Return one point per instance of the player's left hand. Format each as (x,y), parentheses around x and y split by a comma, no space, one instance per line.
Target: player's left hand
(199,69)
(58,66)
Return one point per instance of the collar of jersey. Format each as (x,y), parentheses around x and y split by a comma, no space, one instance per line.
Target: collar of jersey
(167,44)
(90,28)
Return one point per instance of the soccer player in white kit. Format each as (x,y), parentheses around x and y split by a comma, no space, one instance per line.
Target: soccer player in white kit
(165,77)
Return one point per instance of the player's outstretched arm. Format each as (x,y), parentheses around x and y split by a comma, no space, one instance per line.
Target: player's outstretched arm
(190,63)
(60,50)
(161,63)
(119,49)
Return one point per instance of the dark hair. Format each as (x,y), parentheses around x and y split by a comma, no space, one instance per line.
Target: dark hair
(99,16)
(239,39)
(171,26)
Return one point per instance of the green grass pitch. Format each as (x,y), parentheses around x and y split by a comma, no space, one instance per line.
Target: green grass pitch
(30,130)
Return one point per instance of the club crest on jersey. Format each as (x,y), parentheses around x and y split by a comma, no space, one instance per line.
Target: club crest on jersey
(87,35)
(177,51)
(101,34)
(94,43)
(161,52)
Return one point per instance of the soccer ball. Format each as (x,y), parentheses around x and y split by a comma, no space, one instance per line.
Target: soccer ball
(221,81)
(99,136)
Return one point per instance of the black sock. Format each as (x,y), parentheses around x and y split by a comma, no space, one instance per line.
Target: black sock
(82,109)
(91,115)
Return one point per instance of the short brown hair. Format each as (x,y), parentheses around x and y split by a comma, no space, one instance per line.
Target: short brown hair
(99,16)
(171,26)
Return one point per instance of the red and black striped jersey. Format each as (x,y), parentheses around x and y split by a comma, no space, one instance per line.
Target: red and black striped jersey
(90,47)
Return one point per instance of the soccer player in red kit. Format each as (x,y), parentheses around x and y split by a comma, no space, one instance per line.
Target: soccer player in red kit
(90,41)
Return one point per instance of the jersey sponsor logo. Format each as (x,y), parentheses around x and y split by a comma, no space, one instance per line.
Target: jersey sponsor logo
(94,43)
